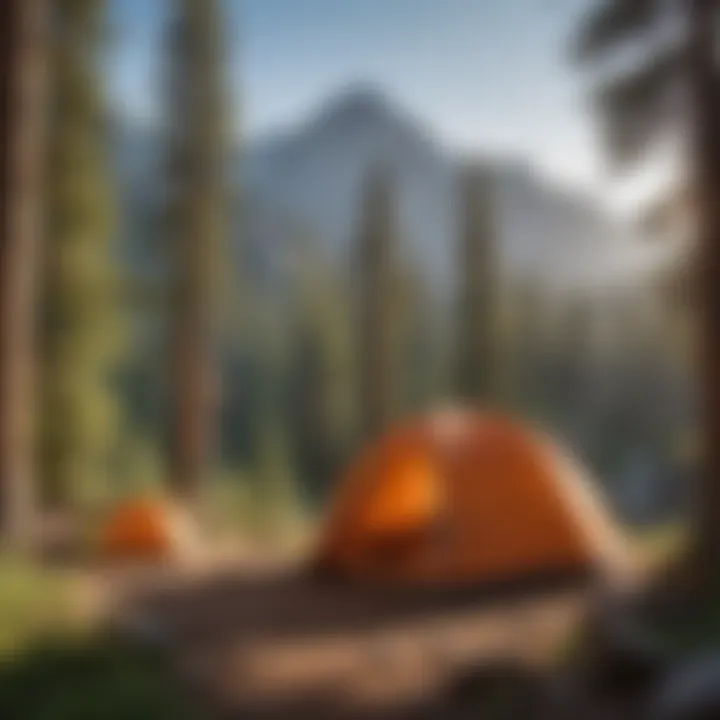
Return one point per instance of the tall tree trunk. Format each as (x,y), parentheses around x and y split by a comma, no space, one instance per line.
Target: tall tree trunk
(23,25)
(376,305)
(704,80)
(193,407)
(477,332)
(197,156)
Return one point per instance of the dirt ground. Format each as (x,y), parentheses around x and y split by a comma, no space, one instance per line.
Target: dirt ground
(264,640)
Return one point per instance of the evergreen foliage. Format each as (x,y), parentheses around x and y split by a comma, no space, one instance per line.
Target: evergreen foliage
(82,324)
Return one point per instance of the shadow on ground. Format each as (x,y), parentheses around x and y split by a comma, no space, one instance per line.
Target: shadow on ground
(272,644)
(265,604)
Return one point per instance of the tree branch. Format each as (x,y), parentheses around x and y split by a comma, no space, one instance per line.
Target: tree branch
(613,22)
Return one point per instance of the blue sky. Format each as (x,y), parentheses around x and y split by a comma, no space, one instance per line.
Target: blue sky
(488,75)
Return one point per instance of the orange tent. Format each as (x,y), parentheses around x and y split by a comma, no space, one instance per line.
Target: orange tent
(145,529)
(461,496)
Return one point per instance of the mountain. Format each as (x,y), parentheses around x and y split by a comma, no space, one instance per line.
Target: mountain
(313,173)
(304,185)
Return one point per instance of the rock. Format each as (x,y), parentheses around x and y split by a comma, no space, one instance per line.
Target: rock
(505,689)
(620,660)
(142,630)
(690,692)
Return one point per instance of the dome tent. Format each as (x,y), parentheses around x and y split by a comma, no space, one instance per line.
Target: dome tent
(147,529)
(460,496)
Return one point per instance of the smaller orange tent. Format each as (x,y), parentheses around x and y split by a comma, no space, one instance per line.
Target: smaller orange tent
(461,496)
(146,529)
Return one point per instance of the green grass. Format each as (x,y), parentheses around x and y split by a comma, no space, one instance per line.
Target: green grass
(57,665)
(662,542)
(88,678)
(234,511)
(34,602)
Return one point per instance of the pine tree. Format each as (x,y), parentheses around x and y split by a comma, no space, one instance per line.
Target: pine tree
(477,340)
(376,243)
(572,378)
(23,48)
(277,503)
(195,230)
(319,401)
(639,106)
(528,348)
(419,362)
(81,323)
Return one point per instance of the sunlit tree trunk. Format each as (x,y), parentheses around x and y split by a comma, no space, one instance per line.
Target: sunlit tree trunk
(23,26)
(196,225)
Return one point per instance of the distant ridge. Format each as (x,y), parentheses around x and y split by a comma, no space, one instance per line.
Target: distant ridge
(306,180)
